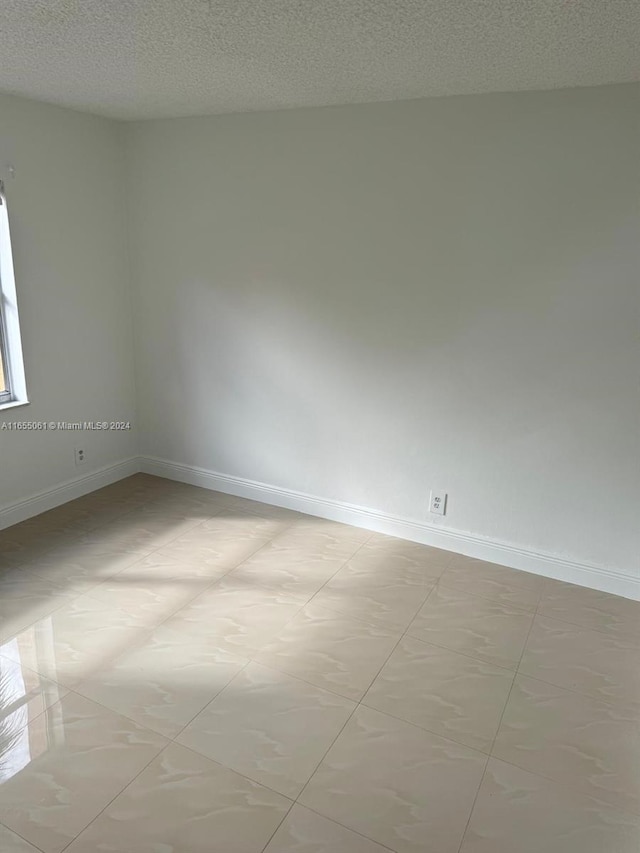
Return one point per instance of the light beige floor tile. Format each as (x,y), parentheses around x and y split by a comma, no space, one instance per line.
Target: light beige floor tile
(590,608)
(601,665)
(136,488)
(583,743)
(415,550)
(80,566)
(24,695)
(25,598)
(330,650)
(497,583)
(31,539)
(82,514)
(236,616)
(177,515)
(234,578)
(224,541)
(164,680)
(447,693)
(140,529)
(497,572)
(204,548)
(232,523)
(386,595)
(397,784)
(517,812)
(292,569)
(304,831)
(487,630)
(12,843)
(82,636)
(270,727)
(335,529)
(184,803)
(398,558)
(162,566)
(198,504)
(330,543)
(81,756)
(158,599)
(267,511)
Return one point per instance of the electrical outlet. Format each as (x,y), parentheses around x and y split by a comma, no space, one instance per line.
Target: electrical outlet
(80,455)
(438,503)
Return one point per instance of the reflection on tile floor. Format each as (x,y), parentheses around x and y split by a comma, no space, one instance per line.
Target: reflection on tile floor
(183,671)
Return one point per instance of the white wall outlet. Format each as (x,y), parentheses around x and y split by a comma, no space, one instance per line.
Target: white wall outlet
(80,455)
(438,503)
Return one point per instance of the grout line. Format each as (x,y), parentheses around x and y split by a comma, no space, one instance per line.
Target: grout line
(623,638)
(562,783)
(497,601)
(495,737)
(468,655)
(284,817)
(347,721)
(226,767)
(344,826)
(17,834)
(175,737)
(359,703)
(130,782)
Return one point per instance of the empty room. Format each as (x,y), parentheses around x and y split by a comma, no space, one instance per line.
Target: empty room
(319,426)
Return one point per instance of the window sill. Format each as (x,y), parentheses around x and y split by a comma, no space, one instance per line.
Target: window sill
(14,404)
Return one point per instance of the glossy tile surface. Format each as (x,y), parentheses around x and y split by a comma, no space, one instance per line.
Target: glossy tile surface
(25,598)
(590,609)
(12,843)
(447,693)
(225,540)
(81,756)
(270,727)
(237,616)
(397,784)
(304,831)
(24,695)
(382,586)
(330,649)
(81,565)
(290,568)
(587,744)
(77,639)
(183,671)
(598,664)
(163,680)
(141,596)
(184,803)
(497,583)
(484,629)
(393,552)
(517,811)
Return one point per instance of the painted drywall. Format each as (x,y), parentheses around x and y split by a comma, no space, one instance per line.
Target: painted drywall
(364,303)
(67,218)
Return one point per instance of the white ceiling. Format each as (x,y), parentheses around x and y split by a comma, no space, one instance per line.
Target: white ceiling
(153,58)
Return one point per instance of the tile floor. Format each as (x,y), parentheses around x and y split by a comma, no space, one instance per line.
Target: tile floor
(186,672)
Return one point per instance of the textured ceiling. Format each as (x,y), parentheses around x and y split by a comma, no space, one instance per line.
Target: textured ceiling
(153,58)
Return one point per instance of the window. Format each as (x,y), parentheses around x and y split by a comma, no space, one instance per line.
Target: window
(12,383)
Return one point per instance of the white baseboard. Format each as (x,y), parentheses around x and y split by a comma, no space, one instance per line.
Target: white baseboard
(68,491)
(547,565)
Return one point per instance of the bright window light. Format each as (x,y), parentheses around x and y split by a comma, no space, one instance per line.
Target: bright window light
(13,389)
